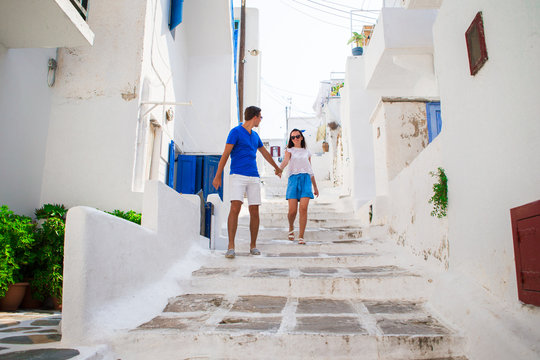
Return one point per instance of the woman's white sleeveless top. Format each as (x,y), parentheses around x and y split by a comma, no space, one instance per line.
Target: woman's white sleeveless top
(299,162)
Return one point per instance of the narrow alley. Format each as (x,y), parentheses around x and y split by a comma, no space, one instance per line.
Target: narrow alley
(341,295)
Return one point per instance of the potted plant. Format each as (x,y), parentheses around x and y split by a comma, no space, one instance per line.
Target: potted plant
(17,243)
(359,40)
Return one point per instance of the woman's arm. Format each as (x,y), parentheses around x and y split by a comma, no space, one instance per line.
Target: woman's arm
(313,182)
(285,161)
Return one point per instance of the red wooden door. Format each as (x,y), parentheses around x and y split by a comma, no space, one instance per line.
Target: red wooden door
(526,233)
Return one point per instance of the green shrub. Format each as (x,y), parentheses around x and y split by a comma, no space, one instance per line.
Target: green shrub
(49,266)
(128,215)
(440,194)
(37,252)
(51,211)
(17,243)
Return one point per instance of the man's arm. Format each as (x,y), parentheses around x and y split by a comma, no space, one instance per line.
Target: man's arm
(221,166)
(266,155)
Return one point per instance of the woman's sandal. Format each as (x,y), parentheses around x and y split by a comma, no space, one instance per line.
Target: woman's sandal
(291,235)
(301,241)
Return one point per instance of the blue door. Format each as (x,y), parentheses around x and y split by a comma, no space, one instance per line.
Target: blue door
(434,120)
(170,169)
(186,174)
(211,163)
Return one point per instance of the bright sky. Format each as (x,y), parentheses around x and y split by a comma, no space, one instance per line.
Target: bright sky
(303,42)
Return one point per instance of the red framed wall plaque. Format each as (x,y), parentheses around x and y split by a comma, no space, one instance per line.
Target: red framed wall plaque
(476,44)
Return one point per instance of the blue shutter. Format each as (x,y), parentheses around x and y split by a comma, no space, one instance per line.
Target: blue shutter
(176,13)
(199,173)
(434,120)
(170,172)
(185,177)
(211,163)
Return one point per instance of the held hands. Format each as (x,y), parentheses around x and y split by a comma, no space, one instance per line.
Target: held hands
(278,172)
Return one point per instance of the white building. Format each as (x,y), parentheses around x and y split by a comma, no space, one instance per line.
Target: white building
(487,145)
(126,85)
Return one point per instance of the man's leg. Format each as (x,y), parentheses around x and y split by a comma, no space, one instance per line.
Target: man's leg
(254,224)
(232,222)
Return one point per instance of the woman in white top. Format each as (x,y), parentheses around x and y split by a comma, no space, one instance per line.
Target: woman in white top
(300,181)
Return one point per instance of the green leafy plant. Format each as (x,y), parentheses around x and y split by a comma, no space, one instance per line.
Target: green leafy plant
(358,39)
(51,211)
(440,193)
(49,266)
(17,242)
(128,215)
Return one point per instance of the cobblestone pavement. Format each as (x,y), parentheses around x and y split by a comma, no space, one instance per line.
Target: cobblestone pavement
(28,335)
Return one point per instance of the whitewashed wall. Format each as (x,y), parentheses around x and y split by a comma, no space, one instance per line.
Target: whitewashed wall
(356,108)
(491,140)
(25,100)
(91,141)
(410,221)
(491,132)
(205,125)
(118,274)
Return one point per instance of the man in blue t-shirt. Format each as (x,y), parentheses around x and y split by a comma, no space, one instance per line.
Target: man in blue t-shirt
(242,145)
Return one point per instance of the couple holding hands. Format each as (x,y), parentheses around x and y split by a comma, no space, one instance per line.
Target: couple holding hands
(242,145)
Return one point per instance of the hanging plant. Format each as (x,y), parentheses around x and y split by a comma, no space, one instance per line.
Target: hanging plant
(440,193)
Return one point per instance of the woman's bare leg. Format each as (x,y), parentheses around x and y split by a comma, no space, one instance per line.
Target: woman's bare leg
(293,205)
(304,202)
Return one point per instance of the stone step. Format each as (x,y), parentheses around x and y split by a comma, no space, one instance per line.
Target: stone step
(375,282)
(277,233)
(301,259)
(314,214)
(217,326)
(334,246)
(311,223)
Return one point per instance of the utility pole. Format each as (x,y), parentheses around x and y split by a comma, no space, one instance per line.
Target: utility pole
(242,60)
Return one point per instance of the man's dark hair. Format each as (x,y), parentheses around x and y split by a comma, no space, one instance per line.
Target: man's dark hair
(251,112)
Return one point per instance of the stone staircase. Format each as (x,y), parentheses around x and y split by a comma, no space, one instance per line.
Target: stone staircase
(341,296)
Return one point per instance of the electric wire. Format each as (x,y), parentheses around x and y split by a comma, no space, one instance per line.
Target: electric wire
(336,15)
(343,11)
(281,100)
(313,17)
(266,83)
(353,7)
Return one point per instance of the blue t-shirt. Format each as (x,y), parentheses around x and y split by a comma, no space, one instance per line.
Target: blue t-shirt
(244,152)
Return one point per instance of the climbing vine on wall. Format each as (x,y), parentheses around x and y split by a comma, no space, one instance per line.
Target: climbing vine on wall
(440,193)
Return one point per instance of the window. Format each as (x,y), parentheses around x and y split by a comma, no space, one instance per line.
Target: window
(434,121)
(82,7)
(476,44)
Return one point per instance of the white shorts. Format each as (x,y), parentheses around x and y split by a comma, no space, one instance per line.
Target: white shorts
(240,185)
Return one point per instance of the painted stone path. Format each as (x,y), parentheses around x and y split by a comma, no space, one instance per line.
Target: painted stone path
(341,296)
(32,335)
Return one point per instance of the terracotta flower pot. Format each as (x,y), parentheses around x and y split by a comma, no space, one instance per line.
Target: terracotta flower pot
(29,302)
(14,297)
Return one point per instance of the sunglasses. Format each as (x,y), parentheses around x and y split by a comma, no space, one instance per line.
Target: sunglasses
(296,137)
